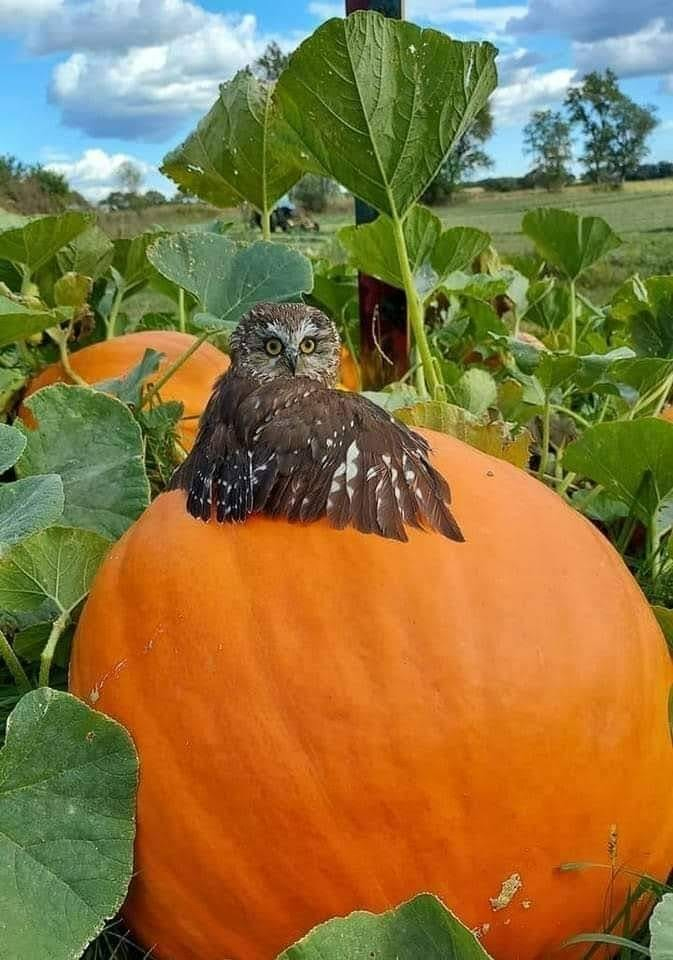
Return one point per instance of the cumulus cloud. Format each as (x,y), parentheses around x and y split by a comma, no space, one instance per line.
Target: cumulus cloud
(488,18)
(648,51)
(18,15)
(525,89)
(94,174)
(148,92)
(587,21)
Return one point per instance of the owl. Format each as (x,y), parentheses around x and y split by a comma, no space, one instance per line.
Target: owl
(278,438)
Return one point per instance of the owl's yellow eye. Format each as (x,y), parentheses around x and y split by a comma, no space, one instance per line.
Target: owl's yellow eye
(273,346)
(307,345)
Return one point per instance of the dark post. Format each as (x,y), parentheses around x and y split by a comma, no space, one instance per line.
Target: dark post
(383,309)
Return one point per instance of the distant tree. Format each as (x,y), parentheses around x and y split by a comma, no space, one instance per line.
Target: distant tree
(10,169)
(313,192)
(129,176)
(615,128)
(271,63)
(547,139)
(54,184)
(154,198)
(466,157)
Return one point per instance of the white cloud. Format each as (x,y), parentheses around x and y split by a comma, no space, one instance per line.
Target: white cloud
(440,12)
(648,51)
(18,15)
(526,90)
(94,174)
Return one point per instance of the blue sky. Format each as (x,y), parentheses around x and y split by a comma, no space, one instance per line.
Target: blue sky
(86,84)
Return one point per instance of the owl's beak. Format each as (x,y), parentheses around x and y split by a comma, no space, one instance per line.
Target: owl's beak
(291,358)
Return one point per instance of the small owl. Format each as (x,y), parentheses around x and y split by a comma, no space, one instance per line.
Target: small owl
(278,438)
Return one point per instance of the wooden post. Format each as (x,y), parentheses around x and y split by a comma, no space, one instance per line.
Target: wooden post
(384,345)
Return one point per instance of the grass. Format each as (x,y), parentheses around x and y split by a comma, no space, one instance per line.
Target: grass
(641,213)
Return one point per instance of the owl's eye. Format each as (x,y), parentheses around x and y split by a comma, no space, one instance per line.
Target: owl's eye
(273,346)
(307,345)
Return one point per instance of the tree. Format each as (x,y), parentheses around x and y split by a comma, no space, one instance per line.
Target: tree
(615,128)
(314,192)
(55,184)
(271,63)
(547,139)
(129,176)
(467,156)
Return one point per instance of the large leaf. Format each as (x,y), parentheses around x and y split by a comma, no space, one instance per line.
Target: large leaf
(19,322)
(421,929)
(130,259)
(661,929)
(371,247)
(568,241)
(491,438)
(12,445)
(228,279)
(647,306)
(379,103)
(29,505)
(633,461)
(32,244)
(128,388)
(51,572)
(93,442)
(68,778)
(235,152)
(89,254)
(434,257)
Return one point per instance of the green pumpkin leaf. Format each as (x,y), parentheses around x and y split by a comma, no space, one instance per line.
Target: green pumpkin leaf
(12,445)
(475,391)
(50,573)
(68,777)
(33,244)
(421,929)
(19,322)
(229,279)
(568,241)
(89,254)
(647,307)
(371,247)
(235,153)
(130,259)
(665,620)
(29,505)
(379,103)
(93,442)
(457,248)
(30,642)
(548,304)
(633,461)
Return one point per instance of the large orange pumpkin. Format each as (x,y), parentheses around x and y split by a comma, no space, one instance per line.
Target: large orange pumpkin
(349,371)
(329,721)
(192,383)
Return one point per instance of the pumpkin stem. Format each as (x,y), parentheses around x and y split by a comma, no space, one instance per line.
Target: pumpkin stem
(14,665)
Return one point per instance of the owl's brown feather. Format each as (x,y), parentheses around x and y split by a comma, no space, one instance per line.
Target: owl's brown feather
(291,447)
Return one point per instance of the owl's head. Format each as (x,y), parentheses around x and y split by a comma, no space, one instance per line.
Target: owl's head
(286,340)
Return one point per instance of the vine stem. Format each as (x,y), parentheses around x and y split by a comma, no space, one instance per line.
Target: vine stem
(14,665)
(61,338)
(573,317)
(546,433)
(111,324)
(266,224)
(182,314)
(174,367)
(416,315)
(47,657)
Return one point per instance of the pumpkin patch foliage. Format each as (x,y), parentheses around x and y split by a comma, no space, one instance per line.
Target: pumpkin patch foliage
(347,747)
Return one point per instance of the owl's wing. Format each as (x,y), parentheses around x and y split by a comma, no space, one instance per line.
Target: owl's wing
(329,453)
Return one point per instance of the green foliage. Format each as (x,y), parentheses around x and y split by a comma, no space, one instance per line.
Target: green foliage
(66,838)
(31,245)
(367,97)
(567,241)
(228,279)
(421,929)
(661,929)
(93,443)
(647,307)
(235,153)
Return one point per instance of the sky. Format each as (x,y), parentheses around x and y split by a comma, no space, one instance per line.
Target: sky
(88,84)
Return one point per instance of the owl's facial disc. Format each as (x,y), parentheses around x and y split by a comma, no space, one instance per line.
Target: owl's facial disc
(287,340)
